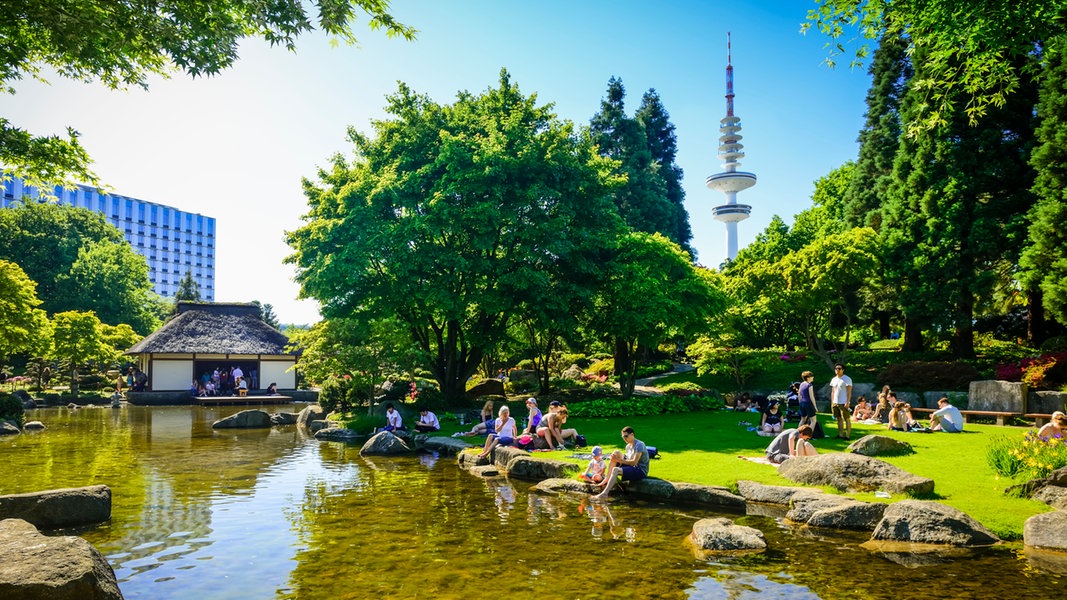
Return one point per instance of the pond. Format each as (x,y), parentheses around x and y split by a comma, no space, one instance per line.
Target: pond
(200,513)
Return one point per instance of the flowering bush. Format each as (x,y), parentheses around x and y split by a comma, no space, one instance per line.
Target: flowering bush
(1028,458)
(791,358)
(1035,371)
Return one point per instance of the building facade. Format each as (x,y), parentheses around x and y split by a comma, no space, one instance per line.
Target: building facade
(172,241)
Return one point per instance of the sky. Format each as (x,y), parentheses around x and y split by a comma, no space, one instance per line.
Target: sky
(237,146)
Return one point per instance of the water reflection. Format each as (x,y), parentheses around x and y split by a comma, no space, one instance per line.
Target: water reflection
(275,513)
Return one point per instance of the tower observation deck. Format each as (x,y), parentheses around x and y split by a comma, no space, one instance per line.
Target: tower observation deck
(730,181)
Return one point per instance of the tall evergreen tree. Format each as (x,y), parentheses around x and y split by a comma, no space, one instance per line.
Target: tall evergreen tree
(663,144)
(188,291)
(1044,261)
(642,201)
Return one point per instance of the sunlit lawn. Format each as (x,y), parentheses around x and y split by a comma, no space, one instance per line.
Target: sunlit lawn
(704,448)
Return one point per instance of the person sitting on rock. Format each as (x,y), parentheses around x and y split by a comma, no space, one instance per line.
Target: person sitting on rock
(594,472)
(946,418)
(631,465)
(506,432)
(1055,428)
(427,421)
(393,420)
(791,443)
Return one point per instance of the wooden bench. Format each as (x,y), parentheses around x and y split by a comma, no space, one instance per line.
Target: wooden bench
(1001,417)
(1039,418)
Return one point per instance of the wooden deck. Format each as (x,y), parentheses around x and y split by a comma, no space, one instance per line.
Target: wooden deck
(242,400)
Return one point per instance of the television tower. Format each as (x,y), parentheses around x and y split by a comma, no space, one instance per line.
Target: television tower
(730,181)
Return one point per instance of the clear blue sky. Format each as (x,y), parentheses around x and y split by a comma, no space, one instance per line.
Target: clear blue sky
(236,146)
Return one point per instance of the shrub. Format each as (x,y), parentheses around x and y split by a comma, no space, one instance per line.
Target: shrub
(739,364)
(334,394)
(604,366)
(563,384)
(526,364)
(521,386)
(365,424)
(684,388)
(639,406)
(1036,371)
(1030,457)
(1055,344)
(662,366)
(11,409)
(929,376)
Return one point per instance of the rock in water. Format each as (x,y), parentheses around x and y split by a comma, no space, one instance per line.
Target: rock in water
(39,567)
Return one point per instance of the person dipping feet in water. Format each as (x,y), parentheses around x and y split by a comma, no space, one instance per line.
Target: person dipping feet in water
(631,465)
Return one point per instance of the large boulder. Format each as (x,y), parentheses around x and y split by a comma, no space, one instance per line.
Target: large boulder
(337,434)
(828,511)
(53,509)
(1005,396)
(312,412)
(246,419)
(442,445)
(501,456)
(39,567)
(33,426)
(854,473)
(767,494)
(925,522)
(384,443)
(1053,495)
(487,387)
(284,418)
(572,372)
(879,445)
(1047,531)
(9,428)
(957,399)
(557,485)
(532,469)
(25,398)
(707,496)
(1045,401)
(723,535)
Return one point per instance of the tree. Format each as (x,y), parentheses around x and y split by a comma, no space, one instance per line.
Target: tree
(122,43)
(642,201)
(266,314)
(24,328)
(446,218)
(973,55)
(111,280)
(188,290)
(651,292)
(1044,261)
(78,340)
(663,145)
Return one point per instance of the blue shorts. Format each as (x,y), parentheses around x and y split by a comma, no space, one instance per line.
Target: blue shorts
(807,409)
(504,440)
(630,473)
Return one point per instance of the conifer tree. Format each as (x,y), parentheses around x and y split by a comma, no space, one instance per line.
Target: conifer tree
(663,144)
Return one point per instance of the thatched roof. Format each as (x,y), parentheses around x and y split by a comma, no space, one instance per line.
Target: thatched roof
(214,328)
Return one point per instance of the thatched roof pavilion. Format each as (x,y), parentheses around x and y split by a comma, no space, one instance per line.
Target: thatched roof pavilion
(204,336)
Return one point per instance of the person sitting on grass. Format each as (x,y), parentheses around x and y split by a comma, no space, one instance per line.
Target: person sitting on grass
(791,443)
(946,418)
(594,472)
(897,418)
(485,427)
(506,432)
(1055,428)
(631,465)
(863,410)
(771,422)
(427,421)
(535,417)
(551,426)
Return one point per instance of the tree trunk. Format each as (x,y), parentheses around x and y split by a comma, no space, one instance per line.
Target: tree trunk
(1036,325)
(963,332)
(884,329)
(623,356)
(913,336)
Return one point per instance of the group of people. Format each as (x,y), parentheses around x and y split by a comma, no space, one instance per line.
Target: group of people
(135,380)
(228,381)
(504,431)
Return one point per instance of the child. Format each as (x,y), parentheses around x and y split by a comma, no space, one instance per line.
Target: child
(594,473)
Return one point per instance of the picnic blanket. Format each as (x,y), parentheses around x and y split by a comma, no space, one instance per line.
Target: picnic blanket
(758,459)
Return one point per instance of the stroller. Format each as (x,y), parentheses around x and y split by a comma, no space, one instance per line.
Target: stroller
(792,403)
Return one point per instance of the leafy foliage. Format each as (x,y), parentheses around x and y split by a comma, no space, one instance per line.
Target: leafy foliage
(78,340)
(929,376)
(24,328)
(740,364)
(639,406)
(1026,458)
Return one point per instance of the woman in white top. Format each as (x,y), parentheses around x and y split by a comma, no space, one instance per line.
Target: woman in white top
(506,432)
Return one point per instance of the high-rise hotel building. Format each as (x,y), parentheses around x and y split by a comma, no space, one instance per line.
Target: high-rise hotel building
(172,241)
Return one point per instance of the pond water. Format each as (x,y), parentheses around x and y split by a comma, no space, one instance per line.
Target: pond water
(200,513)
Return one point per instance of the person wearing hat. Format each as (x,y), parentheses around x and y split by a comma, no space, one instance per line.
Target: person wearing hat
(594,473)
(534,419)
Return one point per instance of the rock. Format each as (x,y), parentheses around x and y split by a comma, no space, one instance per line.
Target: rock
(767,494)
(1047,531)
(33,426)
(1045,401)
(470,459)
(384,443)
(487,387)
(443,445)
(8,428)
(926,522)
(337,434)
(311,412)
(854,473)
(320,424)
(1007,396)
(650,487)
(522,375)
(485,471)
(532,469)
(723,535)
(25,398)
(573,372)
(557,485)
(53,509)
(1053,495)
(957,399)
(1057,478)
(877,445)
(35,566)
(284,418)
(502,455)
(246,419)
(828,511)
(707,495)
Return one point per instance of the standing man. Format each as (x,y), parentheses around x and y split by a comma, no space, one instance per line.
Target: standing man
(946,418)
(630,466)
(840,398)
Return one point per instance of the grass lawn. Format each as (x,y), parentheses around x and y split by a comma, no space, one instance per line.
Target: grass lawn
(703,447)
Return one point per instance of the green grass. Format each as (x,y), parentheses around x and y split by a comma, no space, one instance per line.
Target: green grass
(703,448)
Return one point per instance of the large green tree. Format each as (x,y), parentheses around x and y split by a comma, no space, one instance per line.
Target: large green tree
(447,217)
(121,44)
(111,280)
(79,339)
(24,328)
(663,145)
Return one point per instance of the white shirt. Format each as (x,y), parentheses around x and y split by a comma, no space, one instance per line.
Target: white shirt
(393,418)
(507,429)
(839,388)
(430,419)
